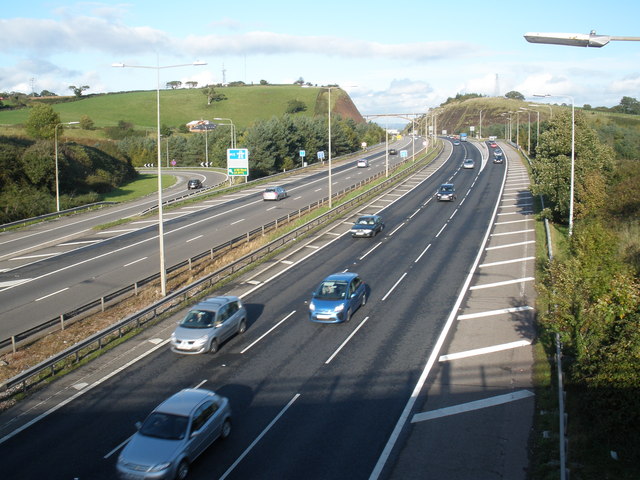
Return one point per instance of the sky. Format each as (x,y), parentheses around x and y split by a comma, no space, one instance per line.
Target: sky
(393,58)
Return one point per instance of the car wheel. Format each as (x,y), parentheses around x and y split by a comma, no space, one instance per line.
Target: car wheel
(214,346)
(183,470)
(226,429)
(243,327)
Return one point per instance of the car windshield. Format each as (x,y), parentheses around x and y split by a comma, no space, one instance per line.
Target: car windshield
(198,319)
(165,426)
(446,189)
(332,290)
(366,221)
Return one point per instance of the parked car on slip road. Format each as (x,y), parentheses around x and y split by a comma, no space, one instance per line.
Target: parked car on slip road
(274,193)
(367,226)
(209,324)
(174,434)
(337,298)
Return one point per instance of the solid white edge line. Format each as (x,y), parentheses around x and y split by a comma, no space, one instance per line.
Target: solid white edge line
(82,392)
(404,416)
(346,341)
(267,332)
(485,350)
(471,406)
(259,437)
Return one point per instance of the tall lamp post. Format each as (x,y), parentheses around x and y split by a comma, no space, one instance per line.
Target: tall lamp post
(573,154)
(591,39)
(233,130)
(528,130)
(55,134)
(537,128)
(157,68)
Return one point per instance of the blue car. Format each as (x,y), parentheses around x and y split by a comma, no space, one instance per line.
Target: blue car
(337,298)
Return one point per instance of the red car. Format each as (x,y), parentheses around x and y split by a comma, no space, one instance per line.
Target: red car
(493,145)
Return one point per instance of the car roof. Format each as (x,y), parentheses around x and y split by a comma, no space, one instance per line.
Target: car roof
(214,303)
(344,277)
(183,402)
(446,185)
(368,216)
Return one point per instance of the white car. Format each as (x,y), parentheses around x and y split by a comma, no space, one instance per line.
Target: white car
(363,163)
(274,193)
(468,163)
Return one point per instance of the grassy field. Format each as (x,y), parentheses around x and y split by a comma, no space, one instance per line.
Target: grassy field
(244,105)
(145,184)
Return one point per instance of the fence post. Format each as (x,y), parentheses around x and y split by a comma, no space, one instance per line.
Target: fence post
(102,304)
(13,343)
(62,321)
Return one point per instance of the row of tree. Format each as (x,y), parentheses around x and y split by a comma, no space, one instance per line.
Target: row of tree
(593,291)
(27,165)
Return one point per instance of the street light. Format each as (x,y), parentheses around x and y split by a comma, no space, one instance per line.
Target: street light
(573,155)
(55,134)
(157,68)
(233,130)
(575,39)
(528,130)
(537,126)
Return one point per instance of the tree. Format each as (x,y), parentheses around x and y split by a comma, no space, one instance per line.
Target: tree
(593,166)
(514,95)
(212,95)
(192,84)
(86,123)
(628,105)
(42,121)
(264,82)
(300,81)
(174,84)
(294,106)
(77,91)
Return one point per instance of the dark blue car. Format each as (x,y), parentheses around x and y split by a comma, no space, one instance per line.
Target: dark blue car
(337,298)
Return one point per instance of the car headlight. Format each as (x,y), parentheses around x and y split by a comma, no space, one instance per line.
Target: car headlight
(339,308)
(202,340)
(160,466)
(312,307)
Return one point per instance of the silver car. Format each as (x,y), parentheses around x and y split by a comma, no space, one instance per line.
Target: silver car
(274,193)
(468,163)
(208,324)
(174,435)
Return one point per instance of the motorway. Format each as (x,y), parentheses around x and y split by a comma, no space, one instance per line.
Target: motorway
(309,400)
(54,268)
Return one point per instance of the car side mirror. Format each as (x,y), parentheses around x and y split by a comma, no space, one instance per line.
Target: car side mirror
(195,434)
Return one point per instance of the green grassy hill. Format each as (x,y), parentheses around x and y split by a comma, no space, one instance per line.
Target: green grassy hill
(243,105)
(617,129)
